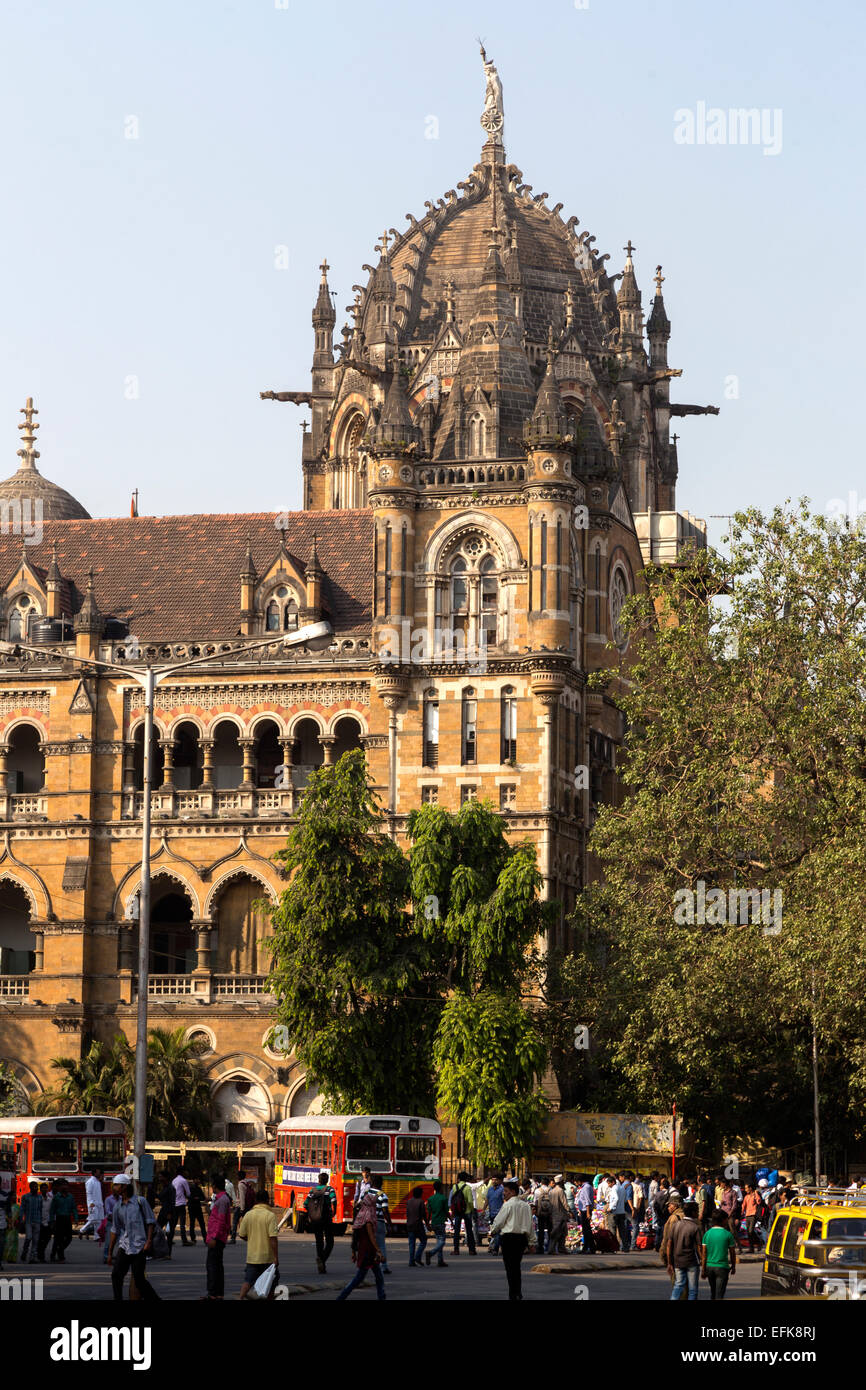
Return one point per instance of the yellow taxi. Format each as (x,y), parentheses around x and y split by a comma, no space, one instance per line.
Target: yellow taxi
(817,1246)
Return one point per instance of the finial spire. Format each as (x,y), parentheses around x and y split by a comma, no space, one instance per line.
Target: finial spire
(629,249)
(659,279)
(28,453)
(324,268)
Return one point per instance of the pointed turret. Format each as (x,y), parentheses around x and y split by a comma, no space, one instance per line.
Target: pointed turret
(395,430)
(324,321)
(313,574)
(628,302)
(658,326)
(379,320)
(249,579)
(549,424)
(53,585)
(89,623)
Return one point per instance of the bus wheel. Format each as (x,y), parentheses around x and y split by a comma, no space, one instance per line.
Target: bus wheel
(299,1219)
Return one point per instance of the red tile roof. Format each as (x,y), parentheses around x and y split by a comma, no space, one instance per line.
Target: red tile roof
(178,577)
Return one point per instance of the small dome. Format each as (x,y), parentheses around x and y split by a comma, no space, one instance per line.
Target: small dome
(48,502)
(57,503)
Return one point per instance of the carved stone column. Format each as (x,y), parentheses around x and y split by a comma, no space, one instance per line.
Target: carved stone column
(39,949)
(128,776)
(206,746)
(127,950)
(248,747)
(168,765)
(202,946)
(4,775)
(328,742)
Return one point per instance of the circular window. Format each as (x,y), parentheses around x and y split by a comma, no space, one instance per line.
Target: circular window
(24,601)
(243,1088)
(282,592)
(202,1039)
(619,592)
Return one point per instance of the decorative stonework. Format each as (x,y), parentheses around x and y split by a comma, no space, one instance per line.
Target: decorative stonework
(175,698)
(21,701)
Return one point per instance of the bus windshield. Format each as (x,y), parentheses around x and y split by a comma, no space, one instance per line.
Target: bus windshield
(838,1229)
(102,1151)
(371,1151)
(51,1152)
(414,1152)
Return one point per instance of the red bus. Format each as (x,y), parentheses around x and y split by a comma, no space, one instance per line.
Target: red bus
(404,1150)
(60,1146)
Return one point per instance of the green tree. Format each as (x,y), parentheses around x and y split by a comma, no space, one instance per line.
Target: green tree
(9,1104)
(102,1082)
(386,966)
(477,899)
(350,968)
(746,768)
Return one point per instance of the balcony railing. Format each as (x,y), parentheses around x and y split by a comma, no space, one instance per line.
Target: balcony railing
(264,801)
(27,805)
(235,986)
(14,987)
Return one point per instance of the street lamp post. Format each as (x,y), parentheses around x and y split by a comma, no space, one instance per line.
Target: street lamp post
(316,637)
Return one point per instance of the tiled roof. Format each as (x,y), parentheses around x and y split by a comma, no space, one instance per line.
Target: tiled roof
(178,577)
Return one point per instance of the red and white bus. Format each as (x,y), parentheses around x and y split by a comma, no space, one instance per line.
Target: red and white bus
(60,1146)
(405,1151)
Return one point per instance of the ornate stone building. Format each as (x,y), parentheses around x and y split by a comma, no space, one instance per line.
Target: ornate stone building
(487,468)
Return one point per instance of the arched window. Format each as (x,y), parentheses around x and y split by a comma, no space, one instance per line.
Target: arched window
(477,437)
(469,724)
(281,613)
(619,592)
(489,597)
(26,762)
(187,758)
(459,589)
(508,723)
(17,941)
(431,729)
(269,754)
(228,760)
(21,618)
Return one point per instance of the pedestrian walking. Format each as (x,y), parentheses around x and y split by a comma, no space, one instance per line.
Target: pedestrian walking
(365,1250)
(625,1217)
(31,1212)
(683,1254)
(660,1210)
(460,1205)
(181,1201)
(167,1211)
(218,1230)
(258,1228)
(558,1216)
(718,1255)
(513,1226)
(195,1207)
(729,1205)
(614,1216)
(543,1215)
(62,1216)
(437,1206)
(45,1229)
(132,1223)
(321,1208)
(416,1226)
(638,1209)
(110,1203)
(95,1205)
(13,1220)
(495,1198)
(752,1205)
(245,1197)
(383,1220)
(585,1202)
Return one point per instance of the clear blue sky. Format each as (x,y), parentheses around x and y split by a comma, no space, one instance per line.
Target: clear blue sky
(304,126)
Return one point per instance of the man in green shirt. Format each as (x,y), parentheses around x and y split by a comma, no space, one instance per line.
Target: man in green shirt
(437,1205)
(718,1254)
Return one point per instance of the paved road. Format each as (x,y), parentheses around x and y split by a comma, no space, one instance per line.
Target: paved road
(482,1278)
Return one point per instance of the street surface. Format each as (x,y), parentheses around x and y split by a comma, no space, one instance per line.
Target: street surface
(85,1277)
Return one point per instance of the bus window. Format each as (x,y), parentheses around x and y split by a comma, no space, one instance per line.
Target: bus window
(103,1152)
(54,1153)
(774,1244)
(839,1228)
(372,1151)
(7,1153)
(414,1153)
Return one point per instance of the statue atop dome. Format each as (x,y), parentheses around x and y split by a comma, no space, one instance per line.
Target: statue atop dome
(493,116)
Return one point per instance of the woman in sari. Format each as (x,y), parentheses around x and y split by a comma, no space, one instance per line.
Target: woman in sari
(366,1253)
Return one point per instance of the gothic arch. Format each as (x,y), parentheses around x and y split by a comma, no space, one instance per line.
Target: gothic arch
(226,718)
(174,725)
(237,871)
(123,899)
(30,888)
(244,1065)
(27,721)
(262,718)
(296,719)
(348,714)
(500,537)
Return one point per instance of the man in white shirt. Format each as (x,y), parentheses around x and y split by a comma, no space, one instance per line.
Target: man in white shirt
(614,1208)
(513,1225)
(95,1205)
(181,1200)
